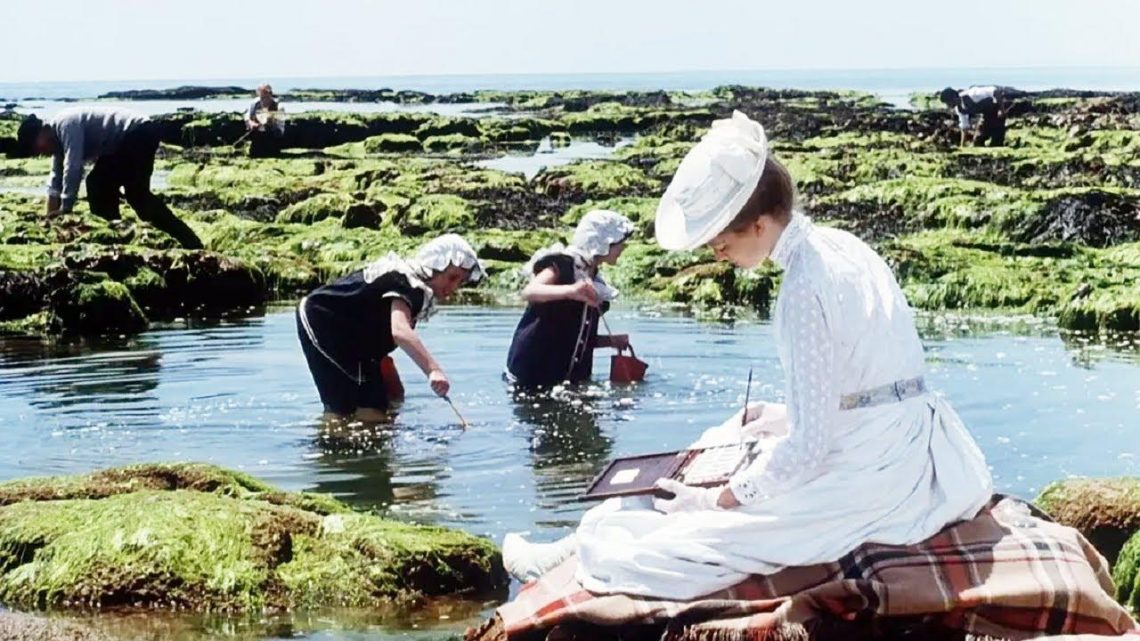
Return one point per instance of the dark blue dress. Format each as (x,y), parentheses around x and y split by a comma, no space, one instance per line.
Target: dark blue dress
(345,328)
(554,341)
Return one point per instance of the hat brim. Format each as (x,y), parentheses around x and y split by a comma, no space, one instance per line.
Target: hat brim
(672,228)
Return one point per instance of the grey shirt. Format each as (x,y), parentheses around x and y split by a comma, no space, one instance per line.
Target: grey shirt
(84,133)
(256,106)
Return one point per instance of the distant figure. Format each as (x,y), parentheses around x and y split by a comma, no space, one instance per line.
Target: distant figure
(266,124)
(122,144)
(968,104)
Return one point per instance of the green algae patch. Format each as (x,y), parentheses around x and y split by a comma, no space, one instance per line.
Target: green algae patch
(1106,511)
(392,143)
(598,179)
(437,213)
(91,305)
(194,536)
(317,208)
(1126,575)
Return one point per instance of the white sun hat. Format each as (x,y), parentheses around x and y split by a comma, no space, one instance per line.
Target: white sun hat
(712,184)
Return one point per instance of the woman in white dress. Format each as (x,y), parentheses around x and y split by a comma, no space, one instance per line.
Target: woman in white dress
(867,452)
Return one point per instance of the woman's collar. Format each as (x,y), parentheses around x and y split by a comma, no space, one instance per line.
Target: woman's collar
(790,239)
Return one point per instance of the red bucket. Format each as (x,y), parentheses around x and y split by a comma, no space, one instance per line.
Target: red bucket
(627,369)
(391,379)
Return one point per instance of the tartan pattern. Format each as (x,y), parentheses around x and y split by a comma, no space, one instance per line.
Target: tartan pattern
(1003,574)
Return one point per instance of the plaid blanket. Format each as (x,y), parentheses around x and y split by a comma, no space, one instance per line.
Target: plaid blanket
(1004,574)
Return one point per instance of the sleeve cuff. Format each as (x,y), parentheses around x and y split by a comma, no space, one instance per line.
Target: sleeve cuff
(746,490)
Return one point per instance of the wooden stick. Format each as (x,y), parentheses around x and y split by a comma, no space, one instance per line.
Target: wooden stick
(462,421)
(747,393)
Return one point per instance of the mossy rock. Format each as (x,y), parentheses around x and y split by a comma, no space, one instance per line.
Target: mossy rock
(597,179)
(453,142)
(1126,575)
(198,537)
(444,126)
(317,208)
(437,213)
(510,246)
(90,304)
(392,143)
(1106,511)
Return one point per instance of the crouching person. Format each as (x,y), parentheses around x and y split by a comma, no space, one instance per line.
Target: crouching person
(349,326)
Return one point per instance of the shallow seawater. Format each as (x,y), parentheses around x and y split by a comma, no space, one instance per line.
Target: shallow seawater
(1042,405)
(530,163)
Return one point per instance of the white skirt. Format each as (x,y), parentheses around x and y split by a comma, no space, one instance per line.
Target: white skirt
(895,474)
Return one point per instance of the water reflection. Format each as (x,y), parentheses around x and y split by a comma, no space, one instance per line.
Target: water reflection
(566,443)
(71,377)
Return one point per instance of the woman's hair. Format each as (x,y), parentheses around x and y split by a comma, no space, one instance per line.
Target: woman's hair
(775,196)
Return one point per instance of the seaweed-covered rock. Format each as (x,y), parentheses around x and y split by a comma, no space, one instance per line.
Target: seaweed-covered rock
(90,304)
(1095,217)
(1126,574)
(444,126)
(453,142)
(437,213)
(596,179)
(1106,511)
(386,143)
(317,208)
(198,537)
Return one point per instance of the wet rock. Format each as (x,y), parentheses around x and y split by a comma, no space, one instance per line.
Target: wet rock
(443,126)
(90,304)
(368,215)
(186,92)
(22,294)
(228,542)
(169,284)
(1106,511)
(1094,218)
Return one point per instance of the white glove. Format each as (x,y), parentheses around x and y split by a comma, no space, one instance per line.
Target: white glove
(686,498)
(768,420)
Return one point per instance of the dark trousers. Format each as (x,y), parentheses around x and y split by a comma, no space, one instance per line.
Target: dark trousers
(264,143)
(992,129)
(129,170)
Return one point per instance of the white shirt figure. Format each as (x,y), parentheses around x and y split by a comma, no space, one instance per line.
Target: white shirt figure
(829,479)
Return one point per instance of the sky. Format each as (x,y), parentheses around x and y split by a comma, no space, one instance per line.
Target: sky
(67,40)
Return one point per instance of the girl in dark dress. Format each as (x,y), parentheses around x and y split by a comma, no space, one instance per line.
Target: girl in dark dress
(348,326)
(566,296)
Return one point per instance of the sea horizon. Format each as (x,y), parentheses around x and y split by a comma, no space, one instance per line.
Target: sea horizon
(878,81)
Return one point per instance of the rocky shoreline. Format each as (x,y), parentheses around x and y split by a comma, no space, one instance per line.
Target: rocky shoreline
(194,537)
(185,537)
(1047,225)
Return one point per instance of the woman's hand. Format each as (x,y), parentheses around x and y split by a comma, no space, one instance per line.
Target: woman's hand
(585,292)
(686,498)
(439,383)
